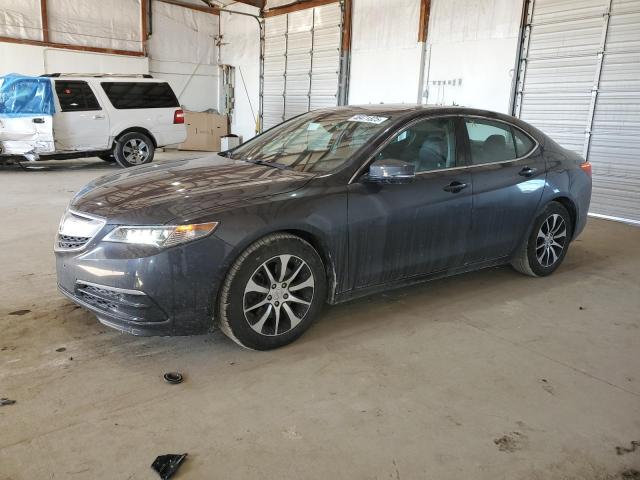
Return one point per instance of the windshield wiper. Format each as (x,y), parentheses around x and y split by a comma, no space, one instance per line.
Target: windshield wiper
(280,166)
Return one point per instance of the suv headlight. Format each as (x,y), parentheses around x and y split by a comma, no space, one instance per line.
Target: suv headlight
(160,236)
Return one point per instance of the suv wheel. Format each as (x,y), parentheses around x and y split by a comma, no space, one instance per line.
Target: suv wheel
(132,149)
(547,244)
(272,292)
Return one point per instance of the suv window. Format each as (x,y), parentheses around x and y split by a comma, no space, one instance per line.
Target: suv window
(490,141)
(429,145)
(76,96)
(128,95)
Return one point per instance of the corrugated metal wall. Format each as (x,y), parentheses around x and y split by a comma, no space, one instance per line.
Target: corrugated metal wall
(579,81)
(301,62)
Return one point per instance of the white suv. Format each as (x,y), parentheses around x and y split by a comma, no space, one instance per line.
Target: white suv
(118,118)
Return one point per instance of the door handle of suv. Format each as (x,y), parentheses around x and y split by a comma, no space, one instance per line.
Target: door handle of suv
(455,187)
(98,117)
(38,120)
(527,172)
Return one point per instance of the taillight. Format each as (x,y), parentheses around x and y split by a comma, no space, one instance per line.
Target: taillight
(586,168)
(178,116)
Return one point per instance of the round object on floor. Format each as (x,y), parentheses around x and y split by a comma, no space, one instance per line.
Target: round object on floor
(173,377)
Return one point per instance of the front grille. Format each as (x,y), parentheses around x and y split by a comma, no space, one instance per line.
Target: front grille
(76,230)
(67,242)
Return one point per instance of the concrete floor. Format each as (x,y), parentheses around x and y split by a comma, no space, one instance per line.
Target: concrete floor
(490,375)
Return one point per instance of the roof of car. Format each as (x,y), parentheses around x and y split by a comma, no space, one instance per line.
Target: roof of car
(399,110)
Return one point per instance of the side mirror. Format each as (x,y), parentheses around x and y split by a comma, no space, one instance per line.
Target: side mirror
(390,171)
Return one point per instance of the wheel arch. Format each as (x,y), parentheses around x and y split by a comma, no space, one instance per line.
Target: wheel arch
(313,238)
(570,205)
(138,130)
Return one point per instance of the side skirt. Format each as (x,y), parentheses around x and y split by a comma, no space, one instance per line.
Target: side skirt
(405,282)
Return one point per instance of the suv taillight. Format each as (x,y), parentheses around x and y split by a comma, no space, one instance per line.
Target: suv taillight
(178,116)
(586,168)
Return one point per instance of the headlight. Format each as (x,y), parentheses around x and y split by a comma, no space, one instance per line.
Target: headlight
(161,236)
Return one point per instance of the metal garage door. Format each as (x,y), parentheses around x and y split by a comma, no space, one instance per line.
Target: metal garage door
(301,62)
(579,81)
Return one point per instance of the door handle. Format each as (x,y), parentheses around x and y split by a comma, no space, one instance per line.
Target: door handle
(455,187)
(98,117)
(38,120)
(527,172)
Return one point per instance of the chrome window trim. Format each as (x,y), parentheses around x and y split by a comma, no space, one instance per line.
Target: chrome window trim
(97,218)
(365,164)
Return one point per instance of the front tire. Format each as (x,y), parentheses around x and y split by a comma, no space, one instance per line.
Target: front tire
(133,149)
(272,293)
(545,248)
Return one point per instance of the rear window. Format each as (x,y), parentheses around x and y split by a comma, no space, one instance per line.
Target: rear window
(128,95)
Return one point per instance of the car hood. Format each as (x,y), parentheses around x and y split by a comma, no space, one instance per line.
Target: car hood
(181,189)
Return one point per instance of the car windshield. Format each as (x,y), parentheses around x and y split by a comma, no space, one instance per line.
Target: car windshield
(316,142)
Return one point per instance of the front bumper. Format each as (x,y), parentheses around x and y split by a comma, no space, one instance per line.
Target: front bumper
(145,291)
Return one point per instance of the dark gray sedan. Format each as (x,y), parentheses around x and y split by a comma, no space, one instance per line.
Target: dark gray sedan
(328,206)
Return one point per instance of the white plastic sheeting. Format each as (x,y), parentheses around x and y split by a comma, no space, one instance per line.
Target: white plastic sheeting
(471,52)
(21,19)
(183,51)
(385,53)
(113,24)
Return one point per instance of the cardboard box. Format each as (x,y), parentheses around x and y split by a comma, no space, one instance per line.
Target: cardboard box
(204,131)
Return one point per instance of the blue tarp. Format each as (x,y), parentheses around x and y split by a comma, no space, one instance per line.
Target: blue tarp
(22,96)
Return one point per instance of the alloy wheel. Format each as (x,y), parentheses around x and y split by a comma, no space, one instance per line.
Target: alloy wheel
(136,151)
(278,295)
(551,240)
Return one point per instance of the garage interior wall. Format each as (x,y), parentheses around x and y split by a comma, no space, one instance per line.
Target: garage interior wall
(471,53)
(112,24)
(385,52)
(579,81)
(182,50)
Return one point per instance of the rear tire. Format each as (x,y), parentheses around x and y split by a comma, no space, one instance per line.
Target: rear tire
(545,248)
(272,293)
(133,149)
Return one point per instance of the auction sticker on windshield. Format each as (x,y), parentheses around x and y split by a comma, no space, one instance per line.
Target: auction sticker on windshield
(368,119)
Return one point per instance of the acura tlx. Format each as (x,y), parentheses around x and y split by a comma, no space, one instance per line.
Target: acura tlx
(325,207)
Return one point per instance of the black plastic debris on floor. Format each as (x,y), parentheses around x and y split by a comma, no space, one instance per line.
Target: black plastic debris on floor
(6,401)
(167,465)
(173,378)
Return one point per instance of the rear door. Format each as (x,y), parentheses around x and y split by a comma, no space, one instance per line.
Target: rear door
(80,124)
(508,174)
(398,231)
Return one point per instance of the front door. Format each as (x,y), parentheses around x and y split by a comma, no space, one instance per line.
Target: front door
(80,123)
(398,231)
(508,175)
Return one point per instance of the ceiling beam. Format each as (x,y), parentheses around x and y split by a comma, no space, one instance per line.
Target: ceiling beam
(294,7)
(254,3)
(211,10)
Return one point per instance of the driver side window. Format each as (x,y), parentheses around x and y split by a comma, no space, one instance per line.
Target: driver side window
(429,145)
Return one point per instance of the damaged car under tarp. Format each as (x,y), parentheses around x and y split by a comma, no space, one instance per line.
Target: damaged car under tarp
(26,115)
